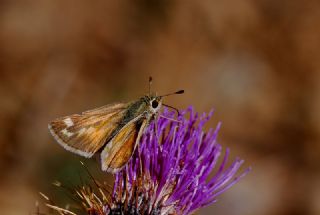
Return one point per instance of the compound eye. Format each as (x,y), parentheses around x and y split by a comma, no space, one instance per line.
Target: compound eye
(154,104)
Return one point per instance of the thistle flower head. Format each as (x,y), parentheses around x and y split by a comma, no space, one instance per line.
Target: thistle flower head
(175,170)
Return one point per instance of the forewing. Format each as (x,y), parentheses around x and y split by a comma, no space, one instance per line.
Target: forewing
(107,109)
(86,133)
(119,150)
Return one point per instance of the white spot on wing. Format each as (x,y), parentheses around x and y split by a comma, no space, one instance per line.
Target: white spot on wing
(66,132)
(81,131)
(68,122)
(67,147)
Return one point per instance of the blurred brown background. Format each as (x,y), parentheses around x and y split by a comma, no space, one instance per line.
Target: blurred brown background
(256,62)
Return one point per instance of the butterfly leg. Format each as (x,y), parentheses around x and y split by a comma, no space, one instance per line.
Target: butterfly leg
(156,118)
(140,160)
(174,120)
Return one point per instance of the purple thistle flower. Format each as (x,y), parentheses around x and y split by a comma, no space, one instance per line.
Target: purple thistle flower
(174,170)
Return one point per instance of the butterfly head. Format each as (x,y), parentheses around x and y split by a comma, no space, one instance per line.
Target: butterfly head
(154,103)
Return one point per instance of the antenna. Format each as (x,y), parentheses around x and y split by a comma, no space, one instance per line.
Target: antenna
(150,83)
(169,94)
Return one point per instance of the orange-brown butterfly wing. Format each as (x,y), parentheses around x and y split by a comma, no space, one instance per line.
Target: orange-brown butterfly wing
(120,148)
(86,133)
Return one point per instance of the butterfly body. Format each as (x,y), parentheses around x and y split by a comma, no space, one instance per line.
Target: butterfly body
(114,130)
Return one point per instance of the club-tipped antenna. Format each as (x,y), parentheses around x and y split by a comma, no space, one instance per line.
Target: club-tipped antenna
(150,83)
(169,94)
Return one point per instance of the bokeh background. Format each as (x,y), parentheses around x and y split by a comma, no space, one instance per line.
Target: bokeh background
(257,62)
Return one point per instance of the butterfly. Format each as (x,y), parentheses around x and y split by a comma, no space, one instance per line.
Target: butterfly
(113,130)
